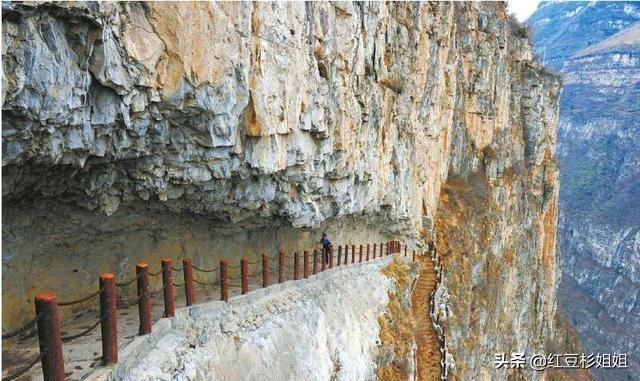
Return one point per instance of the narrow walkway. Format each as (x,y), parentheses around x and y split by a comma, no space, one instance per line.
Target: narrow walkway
(428,353)
(83,354)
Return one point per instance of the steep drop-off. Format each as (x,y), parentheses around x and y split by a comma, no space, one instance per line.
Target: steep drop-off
(130,133)
(599,153)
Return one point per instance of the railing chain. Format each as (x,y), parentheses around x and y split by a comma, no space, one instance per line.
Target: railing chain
(66,339)
(214,283)
(63,304)
(23,371)
(25,328)
(154,293)
(129,282)
(126,303)
(205,270)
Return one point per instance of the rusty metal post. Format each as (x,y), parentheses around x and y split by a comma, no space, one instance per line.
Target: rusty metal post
(346,254)
(387,249)
(49,337)
(108,323)
(244,274)
(296,265)
(265,270)
(405,251)
(374,250)
(339,254)
(414,255)
(331,257)
(167,286)
(353,253)
(144,298)
(368,249)
(224,279)
(324,259)
(360,255)
(306,264)
(281,266)
(187,271)
(315,261)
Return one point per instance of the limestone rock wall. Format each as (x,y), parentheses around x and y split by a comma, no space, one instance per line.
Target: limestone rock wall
(238,118)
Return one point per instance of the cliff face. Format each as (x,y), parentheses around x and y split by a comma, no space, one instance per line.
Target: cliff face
(130,133)
(598,149)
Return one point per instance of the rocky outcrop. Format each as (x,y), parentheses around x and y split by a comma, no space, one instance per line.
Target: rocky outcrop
(129,134)
(598,142)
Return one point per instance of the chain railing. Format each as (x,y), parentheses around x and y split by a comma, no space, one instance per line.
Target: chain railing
(27,328)
(66,339)
(279,267)
(22,371)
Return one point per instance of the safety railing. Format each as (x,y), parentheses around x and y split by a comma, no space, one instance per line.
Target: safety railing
(47,323)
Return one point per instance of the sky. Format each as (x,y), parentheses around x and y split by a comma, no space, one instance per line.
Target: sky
(522,8)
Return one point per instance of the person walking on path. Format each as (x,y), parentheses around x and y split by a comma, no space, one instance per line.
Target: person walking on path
(326,247)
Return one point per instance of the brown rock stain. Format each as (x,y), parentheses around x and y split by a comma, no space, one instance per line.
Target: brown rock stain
(253,124)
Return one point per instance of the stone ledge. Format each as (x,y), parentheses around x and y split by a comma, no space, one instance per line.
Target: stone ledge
(135,351)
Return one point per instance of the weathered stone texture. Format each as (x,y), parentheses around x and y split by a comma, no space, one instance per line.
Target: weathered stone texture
(301,111)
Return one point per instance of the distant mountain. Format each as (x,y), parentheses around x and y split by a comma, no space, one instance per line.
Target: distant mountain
(596,47)
(627,40)
(562,28)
